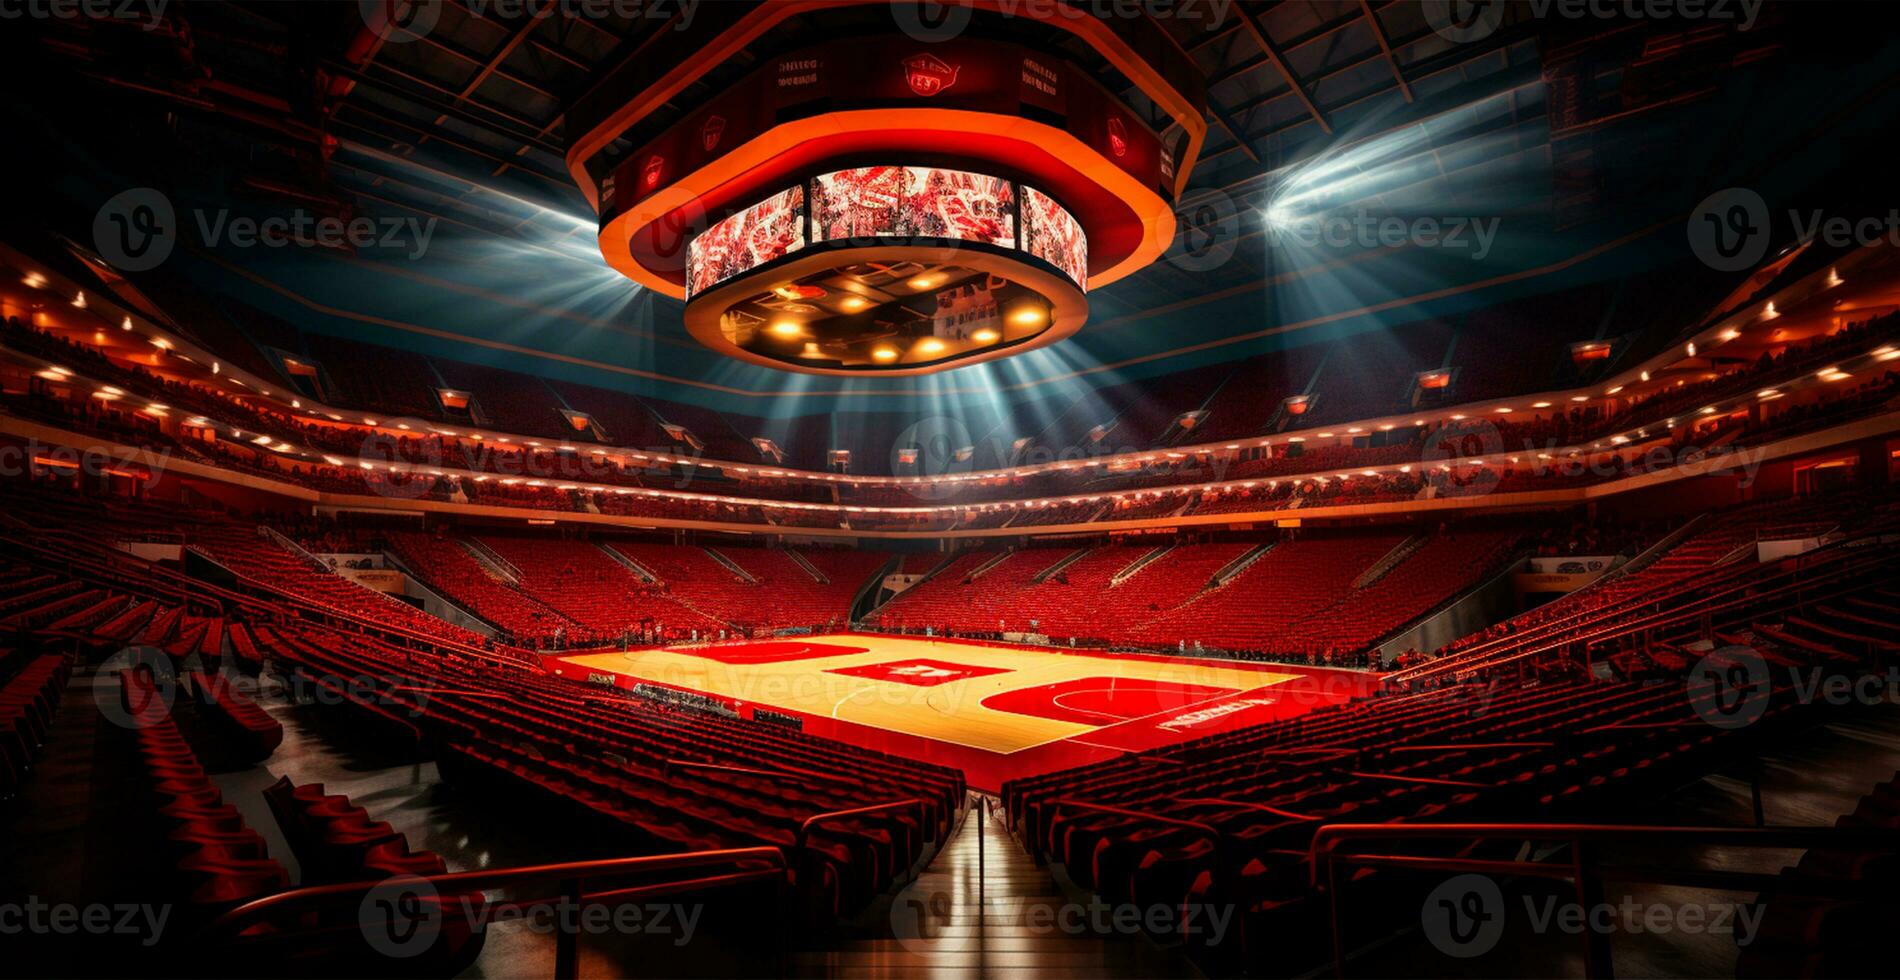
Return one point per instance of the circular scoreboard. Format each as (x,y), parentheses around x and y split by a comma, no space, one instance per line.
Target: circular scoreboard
(831,193)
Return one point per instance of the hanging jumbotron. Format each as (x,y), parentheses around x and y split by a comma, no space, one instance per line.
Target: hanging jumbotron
(833,190)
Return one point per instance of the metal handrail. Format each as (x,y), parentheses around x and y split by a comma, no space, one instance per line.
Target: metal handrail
(1421,780)
(1213,835)
(667,767)
(812,822)
(569,882)
(1245,805)
(1471,747)
(1567,625)
(365,622)
(1724,598)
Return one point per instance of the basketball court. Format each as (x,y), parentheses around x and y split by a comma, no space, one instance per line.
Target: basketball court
(995,710)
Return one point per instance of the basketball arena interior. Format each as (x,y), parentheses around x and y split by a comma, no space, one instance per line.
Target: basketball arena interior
(877,489)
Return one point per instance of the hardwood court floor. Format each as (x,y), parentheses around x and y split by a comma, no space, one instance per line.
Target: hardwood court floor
(968,703)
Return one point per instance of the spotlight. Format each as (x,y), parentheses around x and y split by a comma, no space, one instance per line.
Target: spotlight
(924,282)
(785,328)
(930,345)
(1028,316)
(986,336)
(885,353)
(852,304)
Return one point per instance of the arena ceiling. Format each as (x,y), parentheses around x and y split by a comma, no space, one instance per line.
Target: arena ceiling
(467,119)
(1322,102)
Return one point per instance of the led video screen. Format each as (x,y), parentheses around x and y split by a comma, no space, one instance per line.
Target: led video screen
(744,241)
(870,202)
(860,203)
(1051,234)
(941,203)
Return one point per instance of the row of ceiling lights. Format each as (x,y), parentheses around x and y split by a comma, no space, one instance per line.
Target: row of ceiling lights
(933,345)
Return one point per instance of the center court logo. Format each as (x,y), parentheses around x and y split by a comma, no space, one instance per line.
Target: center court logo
(136,230)
(1464,916)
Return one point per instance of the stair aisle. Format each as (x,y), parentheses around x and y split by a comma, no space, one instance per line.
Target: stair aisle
(983,908)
